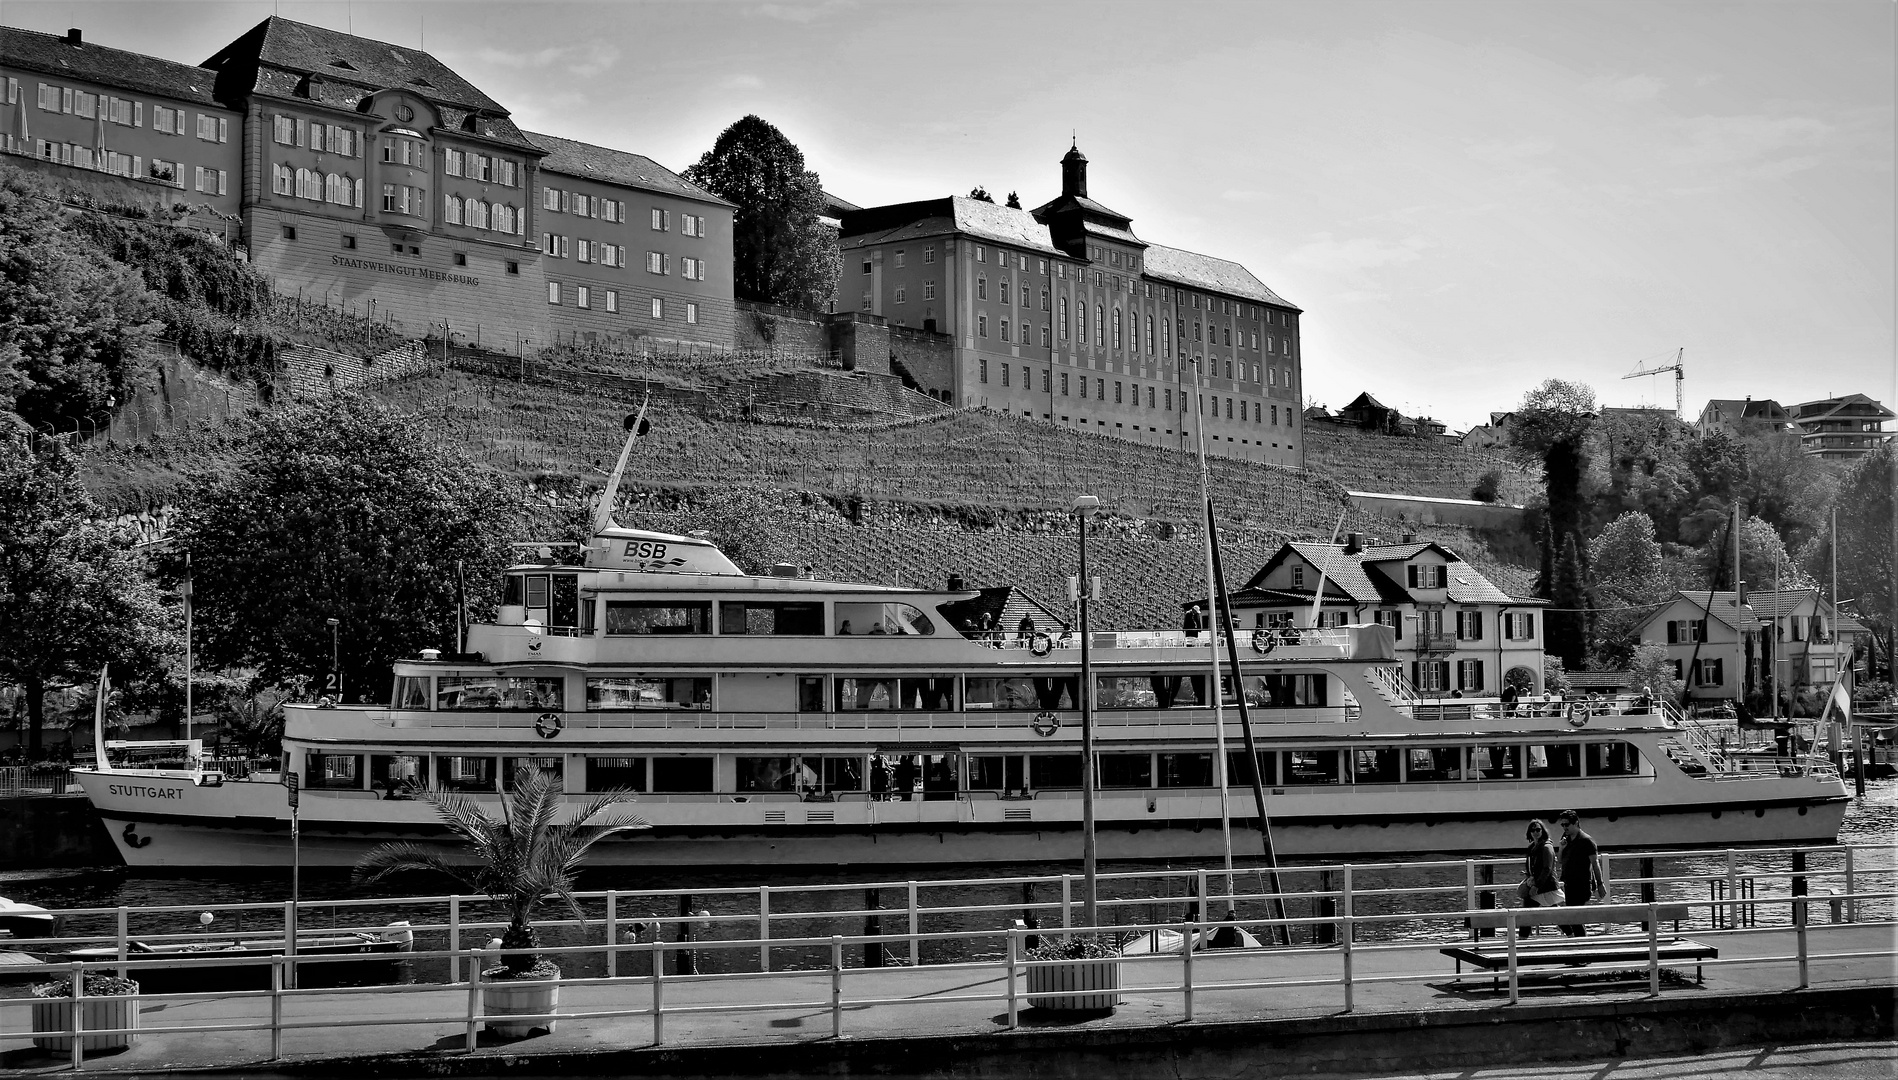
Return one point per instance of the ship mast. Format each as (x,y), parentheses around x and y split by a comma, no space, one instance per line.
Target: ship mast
(1217,624)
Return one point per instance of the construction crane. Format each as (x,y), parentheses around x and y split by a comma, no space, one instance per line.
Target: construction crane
(1680,373)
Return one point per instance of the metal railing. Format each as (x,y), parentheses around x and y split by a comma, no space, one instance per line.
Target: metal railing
(1347,958)
(23,781)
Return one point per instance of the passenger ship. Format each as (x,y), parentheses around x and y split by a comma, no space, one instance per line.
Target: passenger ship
(780,720)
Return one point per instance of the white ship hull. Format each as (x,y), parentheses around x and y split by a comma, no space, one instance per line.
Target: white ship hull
(160,821)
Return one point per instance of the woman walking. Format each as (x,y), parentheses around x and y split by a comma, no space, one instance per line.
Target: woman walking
(1538,887)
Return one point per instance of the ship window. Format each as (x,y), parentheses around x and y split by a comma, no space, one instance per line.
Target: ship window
(1286,691)
(460,773)
(882,619)
(768,774)
(393,773)
(1494,763)
(996,773)
(1374,765)
(1054,771)
(411,692)
(855,695)
(840,773)
(1024,692)
(929,693)
(1613,759)
(536,591)
(1433,763)
(608,773)
(1148,690)
(1554,762)
(1311,767)
(564,600)
(552,767)
(681,774)
(514,590)
(333,771)
(648,692)
(460,692)
(1188,770)
(810,693)
(755,617)
(1237,771)
(677,617)
(1125,770)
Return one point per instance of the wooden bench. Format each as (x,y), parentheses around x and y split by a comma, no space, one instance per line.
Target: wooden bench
(1582,951)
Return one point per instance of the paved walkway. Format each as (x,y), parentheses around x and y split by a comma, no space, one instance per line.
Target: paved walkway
(927,1001)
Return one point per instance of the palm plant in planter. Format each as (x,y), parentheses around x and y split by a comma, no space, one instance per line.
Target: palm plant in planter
(530,854)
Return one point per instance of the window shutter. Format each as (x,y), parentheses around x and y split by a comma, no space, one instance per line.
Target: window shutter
(1412,575)
(303,133)
(220,181)
(178,122)
(1529,626)
(1479,675)
(1416,672)
(1673,632)
(1700,629)
(65,99)
(566,201)
(668,220)
(198,178)
(667,263)
(1719,671)
(138,165)
(1476,627)
(223,129)
(138,114)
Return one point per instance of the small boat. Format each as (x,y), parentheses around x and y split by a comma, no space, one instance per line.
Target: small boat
(1160,941)
(19,920)
(323,959)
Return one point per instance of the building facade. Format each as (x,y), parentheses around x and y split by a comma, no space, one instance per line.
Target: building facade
(1063,314)
(1744,416)
(1711,641)
(372,178)
(1842,428)
(1456,631)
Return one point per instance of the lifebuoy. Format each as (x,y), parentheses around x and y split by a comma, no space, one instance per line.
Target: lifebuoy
(1045,723)
(1263,641)
(1577,714)
(1041,644)
(549,724)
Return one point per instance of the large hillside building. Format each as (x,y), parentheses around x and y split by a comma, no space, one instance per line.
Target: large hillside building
(1845,427)
(372,177)
(1063,314)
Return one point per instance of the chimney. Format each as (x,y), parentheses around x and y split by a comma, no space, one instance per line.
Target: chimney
(1074,173)
(1353,543)
(1410,538)
(73,37)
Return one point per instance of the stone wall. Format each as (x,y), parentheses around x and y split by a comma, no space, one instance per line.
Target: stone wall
(928,358)
(305,370)
(770,328)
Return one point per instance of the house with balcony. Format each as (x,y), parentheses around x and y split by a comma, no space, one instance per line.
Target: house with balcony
(1456,630)
(1841,428)
(1805,640)
(1711,639)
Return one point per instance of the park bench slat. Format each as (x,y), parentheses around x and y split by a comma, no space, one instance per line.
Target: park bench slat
(1577,916)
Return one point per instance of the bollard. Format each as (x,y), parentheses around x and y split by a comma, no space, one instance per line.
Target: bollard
(1838,906)
(687,962)
(872,928)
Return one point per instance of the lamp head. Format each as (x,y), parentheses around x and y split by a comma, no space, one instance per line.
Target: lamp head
(330,622)
(1085,505)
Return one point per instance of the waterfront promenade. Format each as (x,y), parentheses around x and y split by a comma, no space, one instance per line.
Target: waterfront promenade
(1403,1007)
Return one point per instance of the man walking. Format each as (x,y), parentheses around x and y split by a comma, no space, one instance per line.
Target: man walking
(1578,863)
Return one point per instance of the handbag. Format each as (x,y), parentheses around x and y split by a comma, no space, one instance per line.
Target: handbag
(1552,898)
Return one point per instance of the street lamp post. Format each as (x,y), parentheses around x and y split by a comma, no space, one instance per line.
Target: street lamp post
(1084,508)
(336,673)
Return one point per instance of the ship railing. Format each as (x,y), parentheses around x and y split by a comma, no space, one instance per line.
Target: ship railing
(1277,637)
(1351,939)
(867,719)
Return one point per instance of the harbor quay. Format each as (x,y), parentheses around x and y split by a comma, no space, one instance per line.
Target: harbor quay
(1651,978)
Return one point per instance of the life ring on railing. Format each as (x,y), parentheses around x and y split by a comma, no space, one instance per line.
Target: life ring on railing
(1045,723)
(549,724)
(1041,644)
(1578,714)
(1263,641)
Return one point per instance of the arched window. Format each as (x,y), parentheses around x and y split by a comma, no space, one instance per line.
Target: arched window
(477,214)
(451,209)
(1150,334)
(1116,328)
(306,185)
(1064,318)
(358,200)
(502,216)
(1100,325)
(1166,336)
(335,189)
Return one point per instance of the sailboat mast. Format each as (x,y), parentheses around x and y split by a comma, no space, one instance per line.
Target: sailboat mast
(1216,621)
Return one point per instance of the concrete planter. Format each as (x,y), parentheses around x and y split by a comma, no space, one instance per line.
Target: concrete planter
(1075,985)
(55,1014)
(502,999)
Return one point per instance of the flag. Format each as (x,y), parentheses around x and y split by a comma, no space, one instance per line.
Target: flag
(1841,700)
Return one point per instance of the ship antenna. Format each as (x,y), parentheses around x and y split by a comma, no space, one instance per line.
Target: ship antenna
(636,425)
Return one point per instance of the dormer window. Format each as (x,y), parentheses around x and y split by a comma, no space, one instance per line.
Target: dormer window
(339,62)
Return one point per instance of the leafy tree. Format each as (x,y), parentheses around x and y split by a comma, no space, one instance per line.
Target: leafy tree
(1488,486)
(337,509)
(782,253)
(1653,668)
(1551,428)
(1626,562)
(1865,538)
(755,529)
(74,593)
(528,856)
(1014,201)
(68,323)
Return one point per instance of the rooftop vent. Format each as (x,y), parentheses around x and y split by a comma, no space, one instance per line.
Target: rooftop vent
(422,82)
(1353,543)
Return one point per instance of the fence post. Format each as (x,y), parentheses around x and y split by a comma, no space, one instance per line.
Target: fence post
(836,986)
(1647,879)
(1799,932)
(1851,889)
(124,934)
(764,927)
(612,933)
(276,1007)
(1014,947)
(474,999)
(1067,901)
(1733,891)
(454,938)
(78,1026)
(1654,950)
(1347,937)
(1469,895)
(1513,935)
(915,928)
(1186,963)
(658,987)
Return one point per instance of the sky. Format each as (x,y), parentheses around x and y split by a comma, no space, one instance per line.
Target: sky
(1465,198)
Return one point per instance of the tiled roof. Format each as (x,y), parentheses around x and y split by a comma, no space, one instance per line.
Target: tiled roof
(1346,570)
(294,46)
(593,162)
(1466,586)
(1108,232)
(956,215)
(1005,224)
(1855,405)
(1720,606)
(49,53)
(1205,272)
